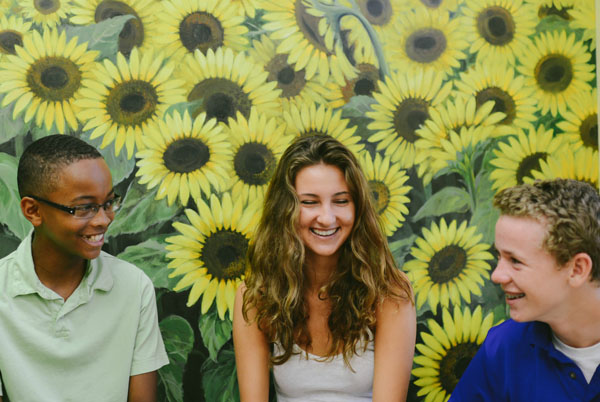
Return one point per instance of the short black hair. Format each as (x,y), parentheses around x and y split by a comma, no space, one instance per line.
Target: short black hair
(38,166)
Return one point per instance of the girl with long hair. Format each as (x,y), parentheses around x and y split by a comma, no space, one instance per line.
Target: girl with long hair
(324,305)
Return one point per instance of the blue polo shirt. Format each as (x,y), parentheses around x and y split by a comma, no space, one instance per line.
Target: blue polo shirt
(518,362)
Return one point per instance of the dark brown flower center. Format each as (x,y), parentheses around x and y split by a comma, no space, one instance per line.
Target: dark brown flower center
(132,33)
(589,131)
(46,6)
(290,82)
(8,41)
(410,114)
(364,84)
(201,30)
(503,103)
(454,364)
(377,12)
(447,264)
(554,73)
(221,97)
(528,164)
(562,12)
(381,195)
(186,155)
(132,102)
(54,78)
(224,254)
(254,163)
(426,45)
(496,25)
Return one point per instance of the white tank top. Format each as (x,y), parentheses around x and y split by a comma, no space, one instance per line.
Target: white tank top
(311,380)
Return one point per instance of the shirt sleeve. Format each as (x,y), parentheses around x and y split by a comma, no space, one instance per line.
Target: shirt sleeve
(149,352)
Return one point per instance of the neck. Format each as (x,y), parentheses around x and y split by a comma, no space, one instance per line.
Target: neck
(318,270)
(57,271)
(581,328)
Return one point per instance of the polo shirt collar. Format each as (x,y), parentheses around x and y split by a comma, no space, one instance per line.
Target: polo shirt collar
(25,281)
(540,335)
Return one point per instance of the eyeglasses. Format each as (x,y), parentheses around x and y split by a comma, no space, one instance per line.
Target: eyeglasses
(86,211)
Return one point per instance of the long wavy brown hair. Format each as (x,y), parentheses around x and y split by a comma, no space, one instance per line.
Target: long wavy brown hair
(276,282)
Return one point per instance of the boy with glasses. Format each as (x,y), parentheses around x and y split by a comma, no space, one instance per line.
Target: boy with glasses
(76,324)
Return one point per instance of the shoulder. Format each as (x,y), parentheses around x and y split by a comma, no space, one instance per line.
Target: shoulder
(509,335)
(125,276)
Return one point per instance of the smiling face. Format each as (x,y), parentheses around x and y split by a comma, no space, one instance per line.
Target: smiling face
(536,288)
(326,213)
(87,181)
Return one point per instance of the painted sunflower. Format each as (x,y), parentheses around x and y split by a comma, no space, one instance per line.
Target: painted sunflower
(246,7)
(500,28)
(403,105)
(523,154)
(387,183)
(45,78)
(257,144)
(310,119)
(187,25)
(449,117)
(433,5)
(123,99)
(499,83)
(449,263)
(227,82)
(140,31)
(428,40)
(301,31)
(186,157)
(365,83)
(210,252)
(12,30)
(446,351)
(558,8)
(45,13)
(294,86)
(580,124)
(583,14)
(558,67)
(569,163)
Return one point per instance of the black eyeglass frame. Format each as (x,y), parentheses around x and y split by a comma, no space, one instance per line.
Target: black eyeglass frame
(116,200)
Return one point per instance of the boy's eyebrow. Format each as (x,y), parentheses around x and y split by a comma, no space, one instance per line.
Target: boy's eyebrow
(89,197)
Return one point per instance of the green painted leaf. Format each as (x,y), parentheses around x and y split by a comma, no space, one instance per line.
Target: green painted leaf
(181,107)
(10,208)
(140,210)
(178,336)
(149,256)
(120,166)
(485,215)
(103,36)
(219,378)
(8,244)
(10,128)
(400,248)
(553,23)
(215,332)
(447,200)
(358,106)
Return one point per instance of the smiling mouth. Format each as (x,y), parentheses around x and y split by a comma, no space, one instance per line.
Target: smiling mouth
(514,296)
(94,238)
(324,233)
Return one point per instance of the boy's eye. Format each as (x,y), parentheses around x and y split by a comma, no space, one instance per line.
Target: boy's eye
(87,207)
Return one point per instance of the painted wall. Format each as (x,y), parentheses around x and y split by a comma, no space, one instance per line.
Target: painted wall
(193,101)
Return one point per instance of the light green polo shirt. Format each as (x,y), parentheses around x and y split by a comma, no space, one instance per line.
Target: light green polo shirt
(84,349)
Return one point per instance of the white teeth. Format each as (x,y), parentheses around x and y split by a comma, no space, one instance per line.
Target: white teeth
(324,232)
(514,297)
(95,238)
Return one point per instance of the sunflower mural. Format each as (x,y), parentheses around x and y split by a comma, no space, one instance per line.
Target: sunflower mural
(193,102)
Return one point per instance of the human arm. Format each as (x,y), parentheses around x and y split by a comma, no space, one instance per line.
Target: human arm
(142,388)
(395,336)
(251,354)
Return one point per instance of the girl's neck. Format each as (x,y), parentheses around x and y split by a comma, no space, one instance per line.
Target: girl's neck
(319,269)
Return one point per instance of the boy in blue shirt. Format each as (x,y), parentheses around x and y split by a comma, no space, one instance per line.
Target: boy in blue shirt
(548,242)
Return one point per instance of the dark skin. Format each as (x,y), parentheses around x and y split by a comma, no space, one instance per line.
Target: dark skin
(62,244)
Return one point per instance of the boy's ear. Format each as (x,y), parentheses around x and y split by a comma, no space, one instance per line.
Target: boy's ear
(581,269)
(31,211)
